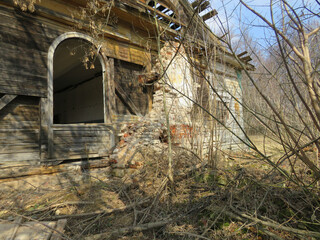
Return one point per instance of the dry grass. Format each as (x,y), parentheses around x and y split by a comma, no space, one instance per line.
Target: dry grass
(198,204)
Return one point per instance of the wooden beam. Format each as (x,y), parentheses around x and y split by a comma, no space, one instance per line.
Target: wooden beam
(246,59)
(6,99)
(209,15)
(242,54)
(197,3)
(109,90)
(203,6)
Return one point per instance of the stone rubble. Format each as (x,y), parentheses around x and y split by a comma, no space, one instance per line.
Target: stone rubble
(127,156)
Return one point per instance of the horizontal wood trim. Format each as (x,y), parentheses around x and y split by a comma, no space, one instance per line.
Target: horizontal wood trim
(18,90)
(76,140)
(28,139)
(14,170)
(17,126)
(22,148)
(82,127)
(24,156)
(70,156)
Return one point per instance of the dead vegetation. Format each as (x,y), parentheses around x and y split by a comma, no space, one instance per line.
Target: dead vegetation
(242,199)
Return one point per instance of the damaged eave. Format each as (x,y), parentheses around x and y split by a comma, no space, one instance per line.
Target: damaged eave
(143,19)
(211,39)
(239,63)
(141,4)
(65,12)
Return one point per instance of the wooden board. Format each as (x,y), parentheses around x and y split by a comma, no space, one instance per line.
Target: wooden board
(71,141)
(127,52)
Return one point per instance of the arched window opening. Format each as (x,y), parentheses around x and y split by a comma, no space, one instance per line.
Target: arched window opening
(77,83)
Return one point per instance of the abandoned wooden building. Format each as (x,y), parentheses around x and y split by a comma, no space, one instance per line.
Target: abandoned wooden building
(71,74)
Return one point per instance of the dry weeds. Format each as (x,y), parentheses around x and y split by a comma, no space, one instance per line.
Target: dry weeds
(231,202)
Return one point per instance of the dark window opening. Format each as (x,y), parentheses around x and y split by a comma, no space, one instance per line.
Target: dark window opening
(77,83)
(131,96)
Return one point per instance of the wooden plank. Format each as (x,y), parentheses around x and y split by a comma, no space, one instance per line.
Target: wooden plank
(78,134)
(110,91)
(5,132)
(242,54)
(21,116)
(44,125)
(18,108)
(23,125)
(203,6)
(25,101)
(32,156)
(83,127)
(14,138)
(197,3)
(15,149)
(63,155)
(82,139)
(19,90)
(6,99)
(126,52)
(246,59)
(80,148)
(24,83)
(69,156)
(20,64)
(20,171)
(209,15)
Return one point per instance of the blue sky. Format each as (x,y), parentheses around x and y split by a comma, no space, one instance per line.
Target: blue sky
(235,16)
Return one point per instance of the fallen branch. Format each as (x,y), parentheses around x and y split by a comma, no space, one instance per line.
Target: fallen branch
(126,230)
(270,234)
(90,214)
(278,226)
(58,205)
(196,236)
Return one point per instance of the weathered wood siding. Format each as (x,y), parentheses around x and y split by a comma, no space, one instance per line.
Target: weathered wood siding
(24,43)
(81,141)
(24,46)
(19,131)
(25,39)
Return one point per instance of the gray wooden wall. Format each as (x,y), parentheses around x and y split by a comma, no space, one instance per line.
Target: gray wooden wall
(24,42)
